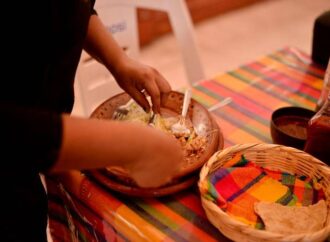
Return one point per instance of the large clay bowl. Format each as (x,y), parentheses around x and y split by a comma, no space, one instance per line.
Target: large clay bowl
(171,105)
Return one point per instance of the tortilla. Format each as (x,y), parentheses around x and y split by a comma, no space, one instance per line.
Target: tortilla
(289,220)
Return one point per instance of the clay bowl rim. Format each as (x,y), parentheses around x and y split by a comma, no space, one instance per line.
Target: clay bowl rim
(135,191)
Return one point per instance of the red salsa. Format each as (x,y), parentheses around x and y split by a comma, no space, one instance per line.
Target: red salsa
(293,125)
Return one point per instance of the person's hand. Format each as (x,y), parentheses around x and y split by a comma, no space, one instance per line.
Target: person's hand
(136,79)
(159,163)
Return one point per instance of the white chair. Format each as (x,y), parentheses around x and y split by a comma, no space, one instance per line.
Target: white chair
(94,82)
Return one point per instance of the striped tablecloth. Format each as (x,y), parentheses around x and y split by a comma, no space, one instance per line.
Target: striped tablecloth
(90,212)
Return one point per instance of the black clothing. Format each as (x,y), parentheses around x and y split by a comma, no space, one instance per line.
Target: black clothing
(38,71)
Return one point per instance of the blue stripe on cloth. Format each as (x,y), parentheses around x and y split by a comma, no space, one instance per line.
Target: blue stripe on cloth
(247,186)
(218,175)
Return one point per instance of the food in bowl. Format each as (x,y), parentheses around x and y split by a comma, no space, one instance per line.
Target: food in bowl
(293,125)
(193,145)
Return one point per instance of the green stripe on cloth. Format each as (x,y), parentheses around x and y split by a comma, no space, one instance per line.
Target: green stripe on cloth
(198,221)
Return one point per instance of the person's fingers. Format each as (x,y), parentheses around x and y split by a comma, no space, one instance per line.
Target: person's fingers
(162,162)
(139,97)
(153,90)
(146,180)
(154,84)
(163,86)
(162,83)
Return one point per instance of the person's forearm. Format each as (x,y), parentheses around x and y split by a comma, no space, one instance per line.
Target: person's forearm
(151,157)
(89,144)
(102,46)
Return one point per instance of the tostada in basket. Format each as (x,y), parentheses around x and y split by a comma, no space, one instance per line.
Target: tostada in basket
(267,192)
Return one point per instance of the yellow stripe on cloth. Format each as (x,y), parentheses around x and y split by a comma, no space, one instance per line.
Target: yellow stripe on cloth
(268,190)
(232,83)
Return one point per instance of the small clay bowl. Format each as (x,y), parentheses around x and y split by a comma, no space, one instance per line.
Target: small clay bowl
(289,126)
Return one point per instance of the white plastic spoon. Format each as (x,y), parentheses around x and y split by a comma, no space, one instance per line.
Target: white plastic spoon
(180,128)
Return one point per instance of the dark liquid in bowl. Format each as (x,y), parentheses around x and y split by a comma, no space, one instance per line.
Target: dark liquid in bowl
(294,126)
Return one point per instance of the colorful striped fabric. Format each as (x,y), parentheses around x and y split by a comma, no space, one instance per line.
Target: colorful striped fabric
(239,184)
(284,78)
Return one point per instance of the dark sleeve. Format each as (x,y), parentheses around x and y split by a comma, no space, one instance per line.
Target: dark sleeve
(31,138)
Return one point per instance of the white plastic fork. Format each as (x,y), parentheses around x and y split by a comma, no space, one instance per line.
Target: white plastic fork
(122,110)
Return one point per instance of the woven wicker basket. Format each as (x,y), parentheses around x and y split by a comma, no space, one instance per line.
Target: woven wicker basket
(273,157)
